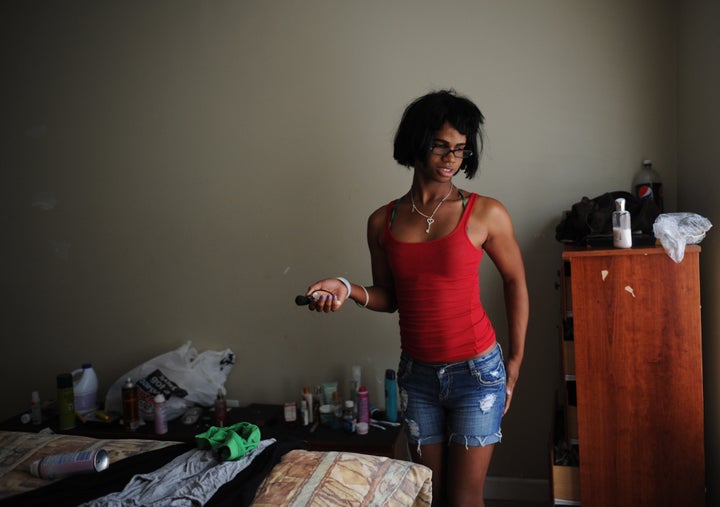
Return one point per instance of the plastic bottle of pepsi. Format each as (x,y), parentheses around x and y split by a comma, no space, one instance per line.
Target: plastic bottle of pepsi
(648,185)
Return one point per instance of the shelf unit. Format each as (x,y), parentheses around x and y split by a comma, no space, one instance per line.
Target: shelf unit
(565,474)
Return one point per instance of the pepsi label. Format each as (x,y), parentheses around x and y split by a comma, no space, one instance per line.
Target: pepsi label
(652,191)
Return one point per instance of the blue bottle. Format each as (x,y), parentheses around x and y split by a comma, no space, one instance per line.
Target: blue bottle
(391,407)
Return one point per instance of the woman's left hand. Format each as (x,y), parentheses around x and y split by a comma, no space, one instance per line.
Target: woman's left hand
(513,372)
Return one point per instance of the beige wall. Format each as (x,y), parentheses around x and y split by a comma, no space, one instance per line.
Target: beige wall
(699,176)
(203,162)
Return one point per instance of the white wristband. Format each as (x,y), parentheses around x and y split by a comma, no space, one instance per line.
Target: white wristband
(347,286)
(367,297)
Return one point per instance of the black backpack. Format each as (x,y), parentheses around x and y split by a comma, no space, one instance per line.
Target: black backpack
(590,219)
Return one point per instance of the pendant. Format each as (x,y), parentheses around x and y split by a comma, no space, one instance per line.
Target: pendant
(430,221)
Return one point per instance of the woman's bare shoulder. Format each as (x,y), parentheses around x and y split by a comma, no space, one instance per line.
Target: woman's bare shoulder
(378,215)
(486,206)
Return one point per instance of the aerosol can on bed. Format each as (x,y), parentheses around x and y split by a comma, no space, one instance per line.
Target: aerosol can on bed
(56,466)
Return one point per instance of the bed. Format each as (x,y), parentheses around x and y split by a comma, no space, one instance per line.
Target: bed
(276,473)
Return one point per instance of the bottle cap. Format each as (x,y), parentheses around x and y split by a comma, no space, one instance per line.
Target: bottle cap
(349,403)
(619,204)
(159,398)
(362,428)
(390,374)
(35,397)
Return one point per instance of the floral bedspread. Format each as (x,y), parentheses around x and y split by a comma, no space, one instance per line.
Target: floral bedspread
(315,479)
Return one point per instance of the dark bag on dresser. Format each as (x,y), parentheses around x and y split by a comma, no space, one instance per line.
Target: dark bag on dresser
(590,220)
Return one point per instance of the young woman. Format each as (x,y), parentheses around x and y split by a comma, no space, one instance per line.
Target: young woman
(425,249)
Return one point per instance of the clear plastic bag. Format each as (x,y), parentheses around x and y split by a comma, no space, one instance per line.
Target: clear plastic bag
(675,230)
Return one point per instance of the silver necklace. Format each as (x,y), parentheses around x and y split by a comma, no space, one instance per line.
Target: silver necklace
(429,218)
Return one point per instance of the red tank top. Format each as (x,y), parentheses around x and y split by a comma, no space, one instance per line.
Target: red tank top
(437,285)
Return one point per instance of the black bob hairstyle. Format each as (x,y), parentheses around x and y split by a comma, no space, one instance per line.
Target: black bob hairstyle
(426,115)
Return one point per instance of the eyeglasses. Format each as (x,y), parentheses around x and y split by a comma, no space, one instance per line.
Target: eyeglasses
(441,150)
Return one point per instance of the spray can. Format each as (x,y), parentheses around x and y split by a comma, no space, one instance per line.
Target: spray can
(160,413)
(131,419)
(56,466)
(65,401)
(355,383)
(391,408)
(363,411)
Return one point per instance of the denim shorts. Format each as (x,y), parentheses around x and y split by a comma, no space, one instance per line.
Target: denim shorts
(459,402)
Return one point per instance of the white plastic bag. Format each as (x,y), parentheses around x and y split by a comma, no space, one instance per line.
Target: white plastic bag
(675,230)
(200,375)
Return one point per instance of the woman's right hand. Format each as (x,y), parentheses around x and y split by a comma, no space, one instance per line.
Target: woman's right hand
(327,295)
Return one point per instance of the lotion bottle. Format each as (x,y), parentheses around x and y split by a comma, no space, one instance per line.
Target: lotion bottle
(622,234)
(308,399)
(160,413)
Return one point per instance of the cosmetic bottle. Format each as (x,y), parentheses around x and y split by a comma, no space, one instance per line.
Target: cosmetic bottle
(363,418)
(308,398)
(220,409)
(36,408)
(391,401)
(66,401)
(131,417)
(160,413)
(622,235)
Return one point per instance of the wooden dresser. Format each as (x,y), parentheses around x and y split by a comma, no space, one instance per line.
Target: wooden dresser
(635,317)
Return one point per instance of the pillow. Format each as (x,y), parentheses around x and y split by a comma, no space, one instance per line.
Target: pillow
(307,478)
